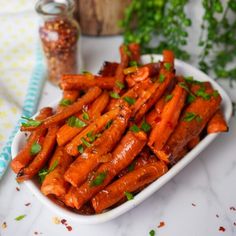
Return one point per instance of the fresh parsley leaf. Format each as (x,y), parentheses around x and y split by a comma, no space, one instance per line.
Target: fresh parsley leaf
(65,102)
(44,172)
(161,78)
(152,233)
(168,97)
(86,143)
(189,79)
(119,84)
(167,66)
(145,126)
(215,94)
(108,125)
(85,115)
(129,100)
(191,98)
(129,195)
(53,166)
(131,166)
(92,137)
(114,95)
(18,218)
(133,63)
(134,128)
(189,116)
(31,122)
(74,121)
(199,119)
(99,179)
(201,93)
(80,148)
(35,149)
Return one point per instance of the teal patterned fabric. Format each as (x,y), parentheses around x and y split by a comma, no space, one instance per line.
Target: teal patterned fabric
(29,107)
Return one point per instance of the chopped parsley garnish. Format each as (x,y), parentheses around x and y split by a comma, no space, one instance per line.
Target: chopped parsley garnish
(119,84)
(190,98)
(167,66)
(31,122)
(92,137)
(129,100)
(191,116)
(74,121)
(35,149)
(43,172)
(145,126)
(133,63)
(129,195)
(168,97)
(161,78)
(114,95)
(201,93)
(134,128)
(215,94)
(108,125)
(99,179)
(85,115)
(185,87)
(18,218)
(131,166)
(152,233)
(189,79)
(80,148)
(65,102)
(85,142)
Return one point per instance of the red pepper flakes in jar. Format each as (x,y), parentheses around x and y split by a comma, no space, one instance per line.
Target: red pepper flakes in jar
(59,34)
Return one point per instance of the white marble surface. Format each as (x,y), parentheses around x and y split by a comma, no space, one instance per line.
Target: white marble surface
(196,202)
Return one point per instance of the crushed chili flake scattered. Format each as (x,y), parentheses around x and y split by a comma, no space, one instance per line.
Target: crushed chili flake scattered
(217,215)
(232,208)
(161,224)
(4,225)
(27,204)
(69,228)
(36,233)
(17,189)
(56,220)
(193,204)
(63,221)
(221,228)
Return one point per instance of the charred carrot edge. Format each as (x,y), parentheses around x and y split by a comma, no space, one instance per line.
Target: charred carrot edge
(54,182)
(74,82)
(186,129)
(67,133)
(121,158)
(78,171)
(169,119)
(97,126)
(108,68)
(24,157)
(193,142)
(217,123)
(90,96)
(128,183)
(40,160)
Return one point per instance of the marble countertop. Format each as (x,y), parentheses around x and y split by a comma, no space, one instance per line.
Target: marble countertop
(199,201)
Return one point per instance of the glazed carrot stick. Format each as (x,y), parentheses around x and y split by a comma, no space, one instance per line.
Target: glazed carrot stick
(90,96)
(24,157)
(69,96)
(168,57)
(40,160)
(108,68)
(134,49)
(130,145)
(54,182)
(67,133)
(96,127)
(78,82)
(78,171)
(191,123)
(217,123)
(193,142)
(128,183)
(169,119)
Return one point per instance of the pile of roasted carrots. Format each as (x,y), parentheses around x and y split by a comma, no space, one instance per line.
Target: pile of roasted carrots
(114,133)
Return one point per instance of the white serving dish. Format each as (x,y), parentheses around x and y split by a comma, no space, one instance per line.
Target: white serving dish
(181,68)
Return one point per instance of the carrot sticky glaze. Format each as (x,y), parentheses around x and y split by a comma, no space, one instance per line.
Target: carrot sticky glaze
(169,119)
(128,183)
(108,68)
(79,170)
(217,123)
(69,97)
(40,160)
(67,132)
(193,142)
(125,152)
(24,157)
(134,49)
(192,122)
(80,82)
(168,57)
(54,182)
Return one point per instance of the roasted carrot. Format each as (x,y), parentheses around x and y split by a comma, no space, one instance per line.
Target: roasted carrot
(54,182)
(130,145)
(67,133)
(134,49)
(40,160)
(169,119)
(78,171)
(217,123)
(192,122)
(90,96)
(69,96)
(80,82)
(168,57)
(127,184)
(108,68)
(24,157)
(193,142)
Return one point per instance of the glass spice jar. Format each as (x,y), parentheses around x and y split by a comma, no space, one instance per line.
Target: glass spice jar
(59,33)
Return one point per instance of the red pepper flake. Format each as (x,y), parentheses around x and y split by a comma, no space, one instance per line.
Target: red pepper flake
(232,208)
(63,221)
(36,233)
(217,215)
(221,228)
(193,204)
(17,189)
(161,224)
(27,204)
(234,223)
(69,228)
